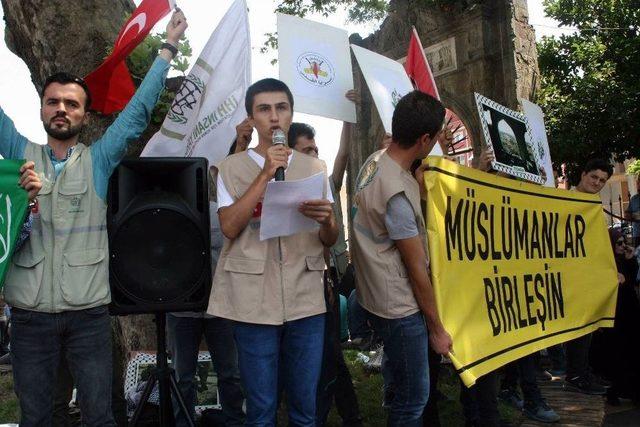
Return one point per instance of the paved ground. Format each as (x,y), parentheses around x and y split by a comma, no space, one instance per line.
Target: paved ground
(625,415)
(575,409)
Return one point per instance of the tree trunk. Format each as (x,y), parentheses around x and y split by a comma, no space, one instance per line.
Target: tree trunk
(74,36)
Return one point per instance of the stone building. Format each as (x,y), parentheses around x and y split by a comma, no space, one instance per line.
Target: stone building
(472,46)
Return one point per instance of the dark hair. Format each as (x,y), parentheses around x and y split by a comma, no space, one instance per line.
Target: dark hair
(297,130)
(598,164)
(415,115)
(265,85)
(65,79)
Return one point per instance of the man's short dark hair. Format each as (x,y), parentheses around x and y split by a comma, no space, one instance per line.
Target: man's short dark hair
(265,85)
(598,164)
(297,130)
(416,114)
(65,79)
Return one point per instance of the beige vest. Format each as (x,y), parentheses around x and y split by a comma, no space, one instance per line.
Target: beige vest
(382,282)
(252,283)
(64,264)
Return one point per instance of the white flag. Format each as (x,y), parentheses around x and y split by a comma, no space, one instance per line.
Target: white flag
(210,103)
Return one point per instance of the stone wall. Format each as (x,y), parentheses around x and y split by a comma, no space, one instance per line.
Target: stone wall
(486,47)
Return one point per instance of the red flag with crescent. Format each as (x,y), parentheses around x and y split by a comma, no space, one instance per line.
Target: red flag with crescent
(110,84)
(418,68)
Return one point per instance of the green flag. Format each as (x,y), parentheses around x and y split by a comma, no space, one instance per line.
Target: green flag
(13,208)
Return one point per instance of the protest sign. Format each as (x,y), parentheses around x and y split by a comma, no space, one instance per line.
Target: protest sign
(507,133)
(535,118)
(210,103)
(387,80)
(315,63)
(13,208)
(515,267)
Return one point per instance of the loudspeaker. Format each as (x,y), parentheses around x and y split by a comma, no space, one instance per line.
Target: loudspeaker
(159,236)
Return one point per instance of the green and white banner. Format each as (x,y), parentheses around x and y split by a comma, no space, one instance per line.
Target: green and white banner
(13,208)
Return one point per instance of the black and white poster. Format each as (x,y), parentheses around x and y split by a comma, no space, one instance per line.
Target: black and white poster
(508,134)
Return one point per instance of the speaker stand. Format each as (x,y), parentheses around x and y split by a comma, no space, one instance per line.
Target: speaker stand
(167,384)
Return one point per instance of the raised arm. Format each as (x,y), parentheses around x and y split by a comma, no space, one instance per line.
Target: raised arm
(342,158)
(12,143)
(109,150)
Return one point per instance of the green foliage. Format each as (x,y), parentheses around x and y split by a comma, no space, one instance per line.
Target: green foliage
(9,408)
(358,10)
(590,84)
(140,60)
(634,168)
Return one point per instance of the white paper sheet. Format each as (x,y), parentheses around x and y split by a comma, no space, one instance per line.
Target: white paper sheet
(315,63)
(280,215)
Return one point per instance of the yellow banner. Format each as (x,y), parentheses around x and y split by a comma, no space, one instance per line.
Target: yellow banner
(516,267)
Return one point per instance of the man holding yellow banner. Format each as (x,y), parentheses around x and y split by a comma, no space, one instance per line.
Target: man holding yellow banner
(390,255)
(525,267)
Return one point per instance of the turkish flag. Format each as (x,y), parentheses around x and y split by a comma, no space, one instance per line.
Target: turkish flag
(110,84)
(418,68)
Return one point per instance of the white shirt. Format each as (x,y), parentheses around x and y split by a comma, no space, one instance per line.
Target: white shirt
(225,199)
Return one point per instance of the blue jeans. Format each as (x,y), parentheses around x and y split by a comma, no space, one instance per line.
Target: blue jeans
(184,340)
(293,351)
(83,337)
(406,348)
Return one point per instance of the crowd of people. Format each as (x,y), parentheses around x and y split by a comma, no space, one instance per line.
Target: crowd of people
(273,324)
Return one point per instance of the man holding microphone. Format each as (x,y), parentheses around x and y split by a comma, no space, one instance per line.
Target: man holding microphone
(272,289)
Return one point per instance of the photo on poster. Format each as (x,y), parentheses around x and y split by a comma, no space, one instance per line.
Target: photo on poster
(508,134)
(315,62)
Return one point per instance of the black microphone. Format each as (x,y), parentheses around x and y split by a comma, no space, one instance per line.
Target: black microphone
(279,138)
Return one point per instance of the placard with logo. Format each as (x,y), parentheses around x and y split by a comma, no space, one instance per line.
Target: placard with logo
(387,81)
(315,63)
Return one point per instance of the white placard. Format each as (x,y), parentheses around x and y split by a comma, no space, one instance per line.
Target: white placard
(535,117)
(387,81)
(315,63)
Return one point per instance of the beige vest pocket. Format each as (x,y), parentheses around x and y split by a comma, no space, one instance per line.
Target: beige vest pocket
(246,286)
(78,279)
(24,278)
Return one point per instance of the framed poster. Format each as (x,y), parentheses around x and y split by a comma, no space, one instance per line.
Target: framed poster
(314,61)
(508,134)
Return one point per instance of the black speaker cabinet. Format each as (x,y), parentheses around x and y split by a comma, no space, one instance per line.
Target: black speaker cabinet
(159,236)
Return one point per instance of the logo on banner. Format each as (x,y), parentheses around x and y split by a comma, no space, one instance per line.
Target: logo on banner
(315,69)
(188,96)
